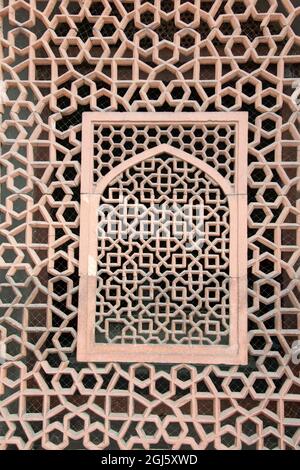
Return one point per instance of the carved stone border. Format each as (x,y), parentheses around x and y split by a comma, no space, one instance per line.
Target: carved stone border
(236,351)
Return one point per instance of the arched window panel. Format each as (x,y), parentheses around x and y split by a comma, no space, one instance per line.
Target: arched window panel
(163,238)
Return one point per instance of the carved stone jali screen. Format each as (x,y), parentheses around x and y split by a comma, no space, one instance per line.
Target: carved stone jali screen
(168,288)
(146,331)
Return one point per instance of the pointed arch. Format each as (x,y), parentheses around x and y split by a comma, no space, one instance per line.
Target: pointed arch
(173,152)
(89,348)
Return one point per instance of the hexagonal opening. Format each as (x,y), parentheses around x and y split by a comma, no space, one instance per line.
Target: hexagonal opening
(147,17)
(22,15)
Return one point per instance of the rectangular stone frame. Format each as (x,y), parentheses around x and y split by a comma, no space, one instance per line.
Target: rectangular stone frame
(90,351)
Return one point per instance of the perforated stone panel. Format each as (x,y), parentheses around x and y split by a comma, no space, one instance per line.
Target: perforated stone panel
(157,285)
(64,58)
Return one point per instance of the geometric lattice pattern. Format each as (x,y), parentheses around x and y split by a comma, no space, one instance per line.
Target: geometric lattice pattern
(214,144)
(158,290)
(63,58)
(163,238)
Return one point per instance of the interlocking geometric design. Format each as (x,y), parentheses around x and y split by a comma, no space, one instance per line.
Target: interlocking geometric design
(63,58)
(163,238)
(214,144)
(160,289)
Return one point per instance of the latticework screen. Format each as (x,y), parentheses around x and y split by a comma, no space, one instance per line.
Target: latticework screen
(61,59)
(163,240)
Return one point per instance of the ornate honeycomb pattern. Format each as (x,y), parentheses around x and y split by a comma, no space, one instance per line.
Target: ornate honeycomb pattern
(213,144)
(63,58)
(163,240)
